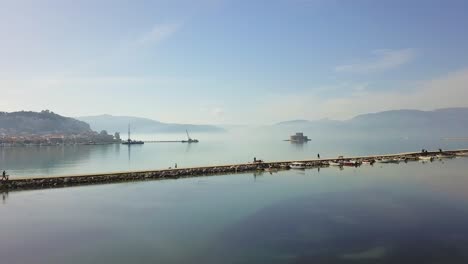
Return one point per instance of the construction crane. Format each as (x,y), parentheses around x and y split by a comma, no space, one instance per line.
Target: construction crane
(189,139)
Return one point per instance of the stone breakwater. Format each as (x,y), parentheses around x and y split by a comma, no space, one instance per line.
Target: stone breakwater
(77,180)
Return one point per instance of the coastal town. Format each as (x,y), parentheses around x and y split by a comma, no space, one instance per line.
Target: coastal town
(53,139)
(46,128)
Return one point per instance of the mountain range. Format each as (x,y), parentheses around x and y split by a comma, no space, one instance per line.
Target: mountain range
(446,122)
(142,125)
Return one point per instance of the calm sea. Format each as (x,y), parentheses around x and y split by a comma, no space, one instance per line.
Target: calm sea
(238,146)
(389,213)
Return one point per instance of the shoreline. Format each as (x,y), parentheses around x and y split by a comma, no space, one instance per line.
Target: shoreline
(48,182)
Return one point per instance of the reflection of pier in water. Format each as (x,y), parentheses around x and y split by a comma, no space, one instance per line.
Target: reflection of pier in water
(4,196)
(46,159)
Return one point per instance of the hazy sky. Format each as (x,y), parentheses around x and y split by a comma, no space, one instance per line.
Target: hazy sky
(232,61)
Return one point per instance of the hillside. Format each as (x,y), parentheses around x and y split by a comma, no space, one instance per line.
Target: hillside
(447,122)
(142,125)
(45,122)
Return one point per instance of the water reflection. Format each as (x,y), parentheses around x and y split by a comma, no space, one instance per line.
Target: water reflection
(349,227)
(259,173)
(129,154)
(188,147)
(212,150)
(407,213)
(22,159)
(298,145)
(4,196)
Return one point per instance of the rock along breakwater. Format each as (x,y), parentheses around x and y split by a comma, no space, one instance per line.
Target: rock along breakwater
(116,177)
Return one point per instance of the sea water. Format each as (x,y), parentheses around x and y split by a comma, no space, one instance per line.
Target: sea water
(387,213)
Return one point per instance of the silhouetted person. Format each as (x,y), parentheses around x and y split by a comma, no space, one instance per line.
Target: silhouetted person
(175,166)
(318,156)
(255,159)
(4,176)
(440,150)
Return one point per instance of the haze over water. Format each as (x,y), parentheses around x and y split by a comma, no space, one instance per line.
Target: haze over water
(406,213)
(236,146)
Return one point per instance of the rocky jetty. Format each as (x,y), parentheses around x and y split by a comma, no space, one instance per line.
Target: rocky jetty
(77,180)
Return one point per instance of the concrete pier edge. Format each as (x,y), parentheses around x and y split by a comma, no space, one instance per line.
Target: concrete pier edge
(31,183)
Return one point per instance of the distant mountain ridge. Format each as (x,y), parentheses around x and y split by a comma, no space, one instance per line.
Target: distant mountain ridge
(439,117)
(142,125)
(293,122)
(443,122)
(451,113)
(44,122)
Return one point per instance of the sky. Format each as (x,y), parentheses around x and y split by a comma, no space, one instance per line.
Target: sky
(232,61)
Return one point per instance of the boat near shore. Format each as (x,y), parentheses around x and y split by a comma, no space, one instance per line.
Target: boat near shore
(426,158)
(29,183)
(130,141)
(353,163)
(384,160)
(335,163)
(445,156)
(298,165)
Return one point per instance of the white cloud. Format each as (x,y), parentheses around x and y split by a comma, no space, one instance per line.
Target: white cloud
(450,90)
(447,91)
(158,33)
(381,60)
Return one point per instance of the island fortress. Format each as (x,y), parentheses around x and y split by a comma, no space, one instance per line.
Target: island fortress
(298,138)
(26,183)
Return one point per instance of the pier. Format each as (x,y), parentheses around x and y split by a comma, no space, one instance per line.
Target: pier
(30,183)
(164,141)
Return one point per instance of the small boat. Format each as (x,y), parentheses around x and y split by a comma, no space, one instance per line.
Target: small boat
(445,156)
(384,160)
(130,141)
(298,165)
(335,163)
(401,159)
(426,158)
(368,162)
(351,163)
(462,154)
(285,166)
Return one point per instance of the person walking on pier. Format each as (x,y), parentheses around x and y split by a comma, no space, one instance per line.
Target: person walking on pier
(175,166)
(318,156)
(4,176)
